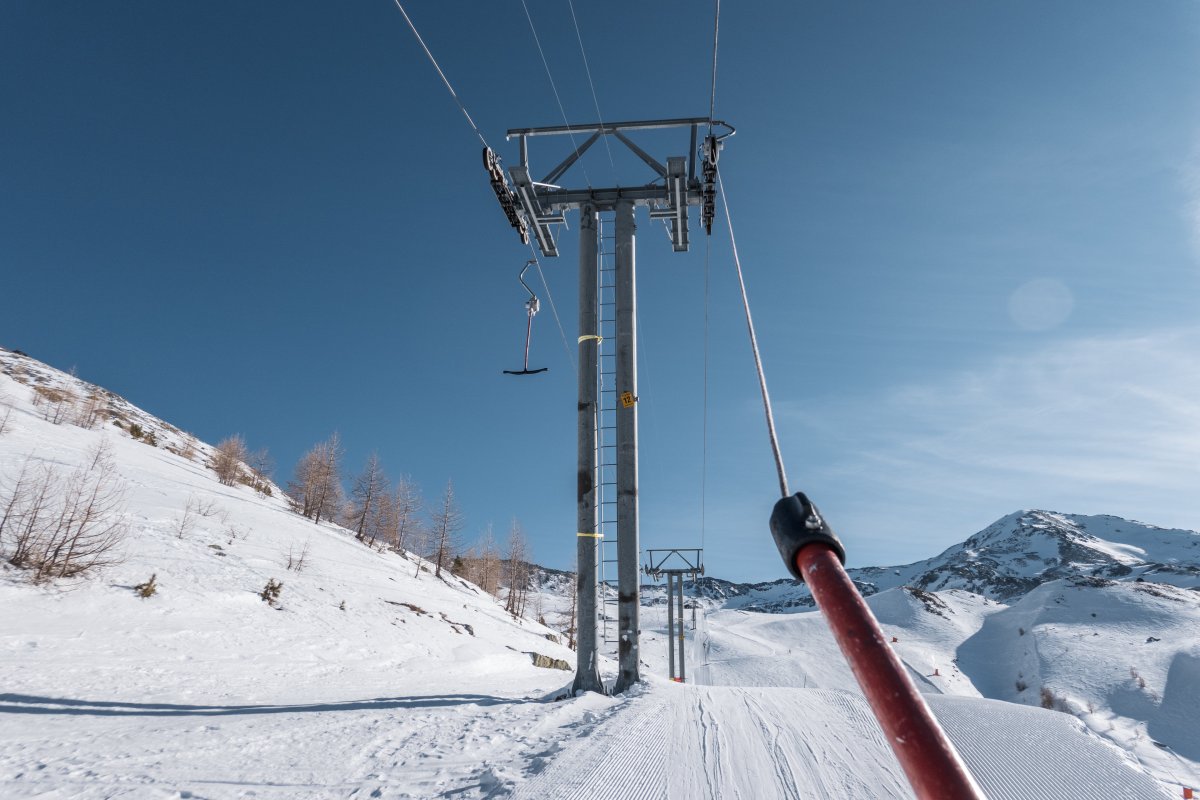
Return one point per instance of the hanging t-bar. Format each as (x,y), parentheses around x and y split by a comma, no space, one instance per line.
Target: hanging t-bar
(532,306)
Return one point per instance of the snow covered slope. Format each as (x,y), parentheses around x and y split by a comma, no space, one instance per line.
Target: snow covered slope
(367,661)
(747,728)
(1122,657)
(371,677)
(966,653)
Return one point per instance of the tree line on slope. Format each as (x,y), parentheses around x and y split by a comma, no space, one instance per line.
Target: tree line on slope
(389,515)
(59,525)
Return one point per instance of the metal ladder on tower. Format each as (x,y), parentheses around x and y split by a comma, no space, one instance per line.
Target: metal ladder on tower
(606,433)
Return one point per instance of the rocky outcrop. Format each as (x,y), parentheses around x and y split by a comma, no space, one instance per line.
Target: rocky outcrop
(546,662)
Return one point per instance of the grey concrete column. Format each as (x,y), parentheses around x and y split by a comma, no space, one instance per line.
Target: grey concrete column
(682,674)
(670,626)
(628,546)
(587,672)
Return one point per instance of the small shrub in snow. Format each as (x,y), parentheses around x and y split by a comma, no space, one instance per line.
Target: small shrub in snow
(1053,702)
(270,593)
(297,561)
(187,448)
(147,589)
(1021,685)
(342,606)
(194,510)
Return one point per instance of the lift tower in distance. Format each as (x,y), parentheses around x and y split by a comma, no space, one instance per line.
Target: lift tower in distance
(677,565)
(538,205)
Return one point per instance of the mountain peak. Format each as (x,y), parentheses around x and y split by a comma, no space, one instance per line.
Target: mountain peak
(1016,554)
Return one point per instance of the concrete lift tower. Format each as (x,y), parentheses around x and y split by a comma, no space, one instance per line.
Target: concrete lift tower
(535,206)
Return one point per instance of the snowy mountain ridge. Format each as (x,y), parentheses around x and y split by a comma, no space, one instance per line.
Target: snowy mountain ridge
(1011,557)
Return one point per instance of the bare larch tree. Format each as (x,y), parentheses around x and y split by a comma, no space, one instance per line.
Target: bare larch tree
(367,499)
(488,571)
(228,458)
(517,567)
(444,528)
(406,504)
(316,490)
(62,526)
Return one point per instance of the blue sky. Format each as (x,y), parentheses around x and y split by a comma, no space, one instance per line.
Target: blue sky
(970,234)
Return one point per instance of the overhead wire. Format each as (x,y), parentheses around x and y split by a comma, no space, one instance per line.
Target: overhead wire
(554,88)
(463,108)
(712,106)
(703,423)
(554,309)
(762,378)
(712,102)
(591,85)
(704,402)
(445,80)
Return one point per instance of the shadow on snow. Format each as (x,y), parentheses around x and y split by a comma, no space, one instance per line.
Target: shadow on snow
(29,704)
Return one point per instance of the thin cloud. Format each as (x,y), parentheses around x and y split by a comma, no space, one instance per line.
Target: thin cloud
(1098,425)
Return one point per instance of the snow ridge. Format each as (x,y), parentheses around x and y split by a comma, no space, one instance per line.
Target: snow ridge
(1012,557)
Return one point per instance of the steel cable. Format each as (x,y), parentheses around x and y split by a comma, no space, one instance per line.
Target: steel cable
(553,308)
(712,103)
(762,378)
(445,80)
(596,102)
(554,88)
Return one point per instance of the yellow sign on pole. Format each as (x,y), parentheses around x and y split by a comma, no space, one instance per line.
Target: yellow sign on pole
(627,399)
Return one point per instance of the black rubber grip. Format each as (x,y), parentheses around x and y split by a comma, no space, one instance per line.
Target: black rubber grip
(795,523)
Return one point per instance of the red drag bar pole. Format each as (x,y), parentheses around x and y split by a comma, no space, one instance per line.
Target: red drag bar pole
(928,758)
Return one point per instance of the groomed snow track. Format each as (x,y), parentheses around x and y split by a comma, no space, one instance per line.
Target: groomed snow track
(728,743)
(762,742)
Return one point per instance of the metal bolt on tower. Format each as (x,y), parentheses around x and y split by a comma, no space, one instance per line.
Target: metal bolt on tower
(536,206)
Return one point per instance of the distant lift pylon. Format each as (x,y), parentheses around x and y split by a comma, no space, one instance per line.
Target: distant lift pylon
(532,305)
